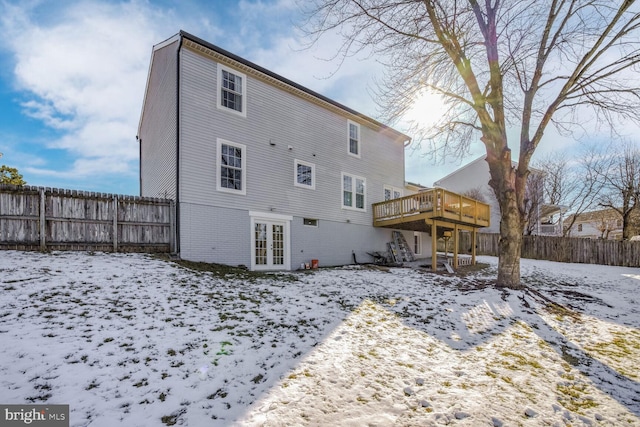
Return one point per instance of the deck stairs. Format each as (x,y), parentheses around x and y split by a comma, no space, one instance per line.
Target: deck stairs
(399,250)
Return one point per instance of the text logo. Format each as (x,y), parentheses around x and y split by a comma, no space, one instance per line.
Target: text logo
(34,415)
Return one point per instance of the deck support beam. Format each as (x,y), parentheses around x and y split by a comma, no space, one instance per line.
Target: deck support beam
(456,238)
(473,245)
(434,245)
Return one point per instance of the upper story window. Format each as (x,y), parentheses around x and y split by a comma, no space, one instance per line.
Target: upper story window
(305,174)
(579,227)
(231,167)
(232,91)
(391,193)
(354,138)
(353,192)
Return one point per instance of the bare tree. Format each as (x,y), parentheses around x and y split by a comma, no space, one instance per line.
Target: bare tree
(622,182)
(476,193)
(606,224)
(496,63)
(533,200)
(574,185)
(556,170)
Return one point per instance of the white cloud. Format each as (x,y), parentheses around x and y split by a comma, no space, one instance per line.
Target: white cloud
(81,68)
(83,74)
(349,82)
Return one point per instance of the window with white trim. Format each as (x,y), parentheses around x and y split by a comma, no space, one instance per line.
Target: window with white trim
(232,91)
(391,193)
(231,167)
(353,192)
(354,138)
(304,174)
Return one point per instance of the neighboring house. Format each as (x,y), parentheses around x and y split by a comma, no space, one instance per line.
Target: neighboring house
(601,224)
(473,179)
(265,173)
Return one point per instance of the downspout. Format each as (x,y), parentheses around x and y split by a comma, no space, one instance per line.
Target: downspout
(177,217)
(139,164)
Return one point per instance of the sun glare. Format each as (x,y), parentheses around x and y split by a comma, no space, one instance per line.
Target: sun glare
(428,107)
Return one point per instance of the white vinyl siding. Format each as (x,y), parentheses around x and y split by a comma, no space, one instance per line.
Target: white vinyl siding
(353,140)
(231,167)
(276,127)
(304,174)
(232,91)
(353,192)
(158,127)
(275,121)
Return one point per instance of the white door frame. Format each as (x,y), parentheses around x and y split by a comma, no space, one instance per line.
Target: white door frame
(271,218)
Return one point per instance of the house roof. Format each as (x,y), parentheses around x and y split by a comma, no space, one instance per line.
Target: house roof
(548,209)
(473,162)
(416,187)
(295,87)
(597,215)
(461,168)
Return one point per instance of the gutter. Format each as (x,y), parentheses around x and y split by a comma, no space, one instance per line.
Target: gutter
(177,204)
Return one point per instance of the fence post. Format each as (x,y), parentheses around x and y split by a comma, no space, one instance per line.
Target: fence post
(115,223)
(43,225)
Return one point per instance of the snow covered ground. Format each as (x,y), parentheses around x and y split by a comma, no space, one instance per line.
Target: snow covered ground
(134,340)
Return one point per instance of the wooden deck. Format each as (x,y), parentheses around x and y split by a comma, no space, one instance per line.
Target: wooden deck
(438,212)
(416,212)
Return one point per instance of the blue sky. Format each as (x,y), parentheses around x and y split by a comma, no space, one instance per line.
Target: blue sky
(73,73)
(72,76)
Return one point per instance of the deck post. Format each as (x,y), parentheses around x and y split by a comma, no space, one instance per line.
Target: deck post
(434,245)
(456,239)
(474,236)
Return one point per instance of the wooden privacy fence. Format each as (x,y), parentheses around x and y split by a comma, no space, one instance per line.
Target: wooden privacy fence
(38,218)
(569,249)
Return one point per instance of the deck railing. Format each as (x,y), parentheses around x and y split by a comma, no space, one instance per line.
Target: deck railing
(436,203)
(550,230)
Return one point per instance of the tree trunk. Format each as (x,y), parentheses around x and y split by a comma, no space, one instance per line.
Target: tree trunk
(508,188)
(510,246)
(626,224)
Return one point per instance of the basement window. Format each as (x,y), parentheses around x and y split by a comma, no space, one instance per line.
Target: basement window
(310,222)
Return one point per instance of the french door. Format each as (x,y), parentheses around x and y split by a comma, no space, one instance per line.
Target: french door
(270,244)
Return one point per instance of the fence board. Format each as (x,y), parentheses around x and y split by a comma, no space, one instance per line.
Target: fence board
(568,249)
(77,220)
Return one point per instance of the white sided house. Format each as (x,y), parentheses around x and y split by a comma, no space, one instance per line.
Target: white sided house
(265,173)
(599,224)
(473,178)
